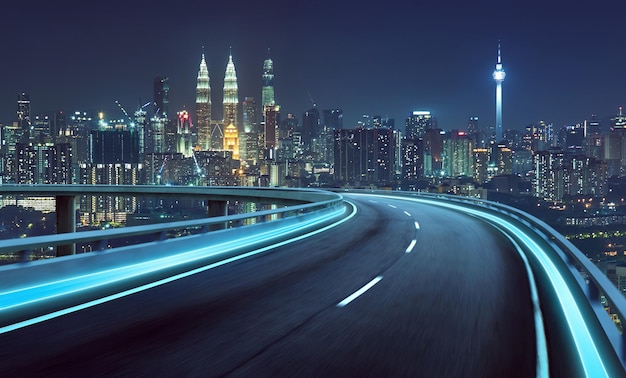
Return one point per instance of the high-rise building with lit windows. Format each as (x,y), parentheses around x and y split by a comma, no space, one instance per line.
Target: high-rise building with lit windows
(23,116)
(412,159)
(418,123)
(184,134)
(311,127)
(457,154)
(267,97)
(249,141)
(231,141)
(549,182)
(250,118)
(43,163)
(203,107)
(480,164)
(162,130)
(364,156)
(271,117)
(161,95)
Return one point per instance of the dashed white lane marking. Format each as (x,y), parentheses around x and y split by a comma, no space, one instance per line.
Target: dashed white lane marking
(410,247)
(359,292)
(392,206)
(417,226)
(407,213)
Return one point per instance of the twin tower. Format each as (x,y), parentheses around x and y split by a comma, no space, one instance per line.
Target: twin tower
(211,132)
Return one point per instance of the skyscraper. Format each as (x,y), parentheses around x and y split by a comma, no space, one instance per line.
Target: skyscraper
(249,144)
(231,141)
(184,134)
(231,100)
(311,127)
(271,111)
(250,115)
(163,130)
(113,146)
(268,83)
(23,116)
(498,76)
(364,156)
(161,96)
(418,123)
(203,107)
(271,117)
(457,154)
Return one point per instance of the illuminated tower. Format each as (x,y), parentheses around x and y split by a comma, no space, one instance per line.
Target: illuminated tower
(268,83)
(203,107)
(230,94)
(498,76)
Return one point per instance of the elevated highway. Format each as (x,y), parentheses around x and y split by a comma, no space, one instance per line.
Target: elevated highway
(395,285)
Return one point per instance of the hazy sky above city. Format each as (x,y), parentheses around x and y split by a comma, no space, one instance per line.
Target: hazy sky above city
(564,60)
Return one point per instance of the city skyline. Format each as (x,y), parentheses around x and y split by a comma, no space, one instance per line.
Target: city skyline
(563,63)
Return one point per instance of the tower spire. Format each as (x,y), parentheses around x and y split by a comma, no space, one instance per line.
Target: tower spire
(203,106)
(230,93)
(499,56)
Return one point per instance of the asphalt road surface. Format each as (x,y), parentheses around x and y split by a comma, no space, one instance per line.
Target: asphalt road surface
(402,289)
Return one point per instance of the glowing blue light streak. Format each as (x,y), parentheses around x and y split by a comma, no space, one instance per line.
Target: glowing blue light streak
(55,289)
(84,282)
(588,352)
(359,292)
(542,369)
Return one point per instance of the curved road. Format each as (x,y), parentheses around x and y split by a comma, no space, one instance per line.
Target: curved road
(447,297)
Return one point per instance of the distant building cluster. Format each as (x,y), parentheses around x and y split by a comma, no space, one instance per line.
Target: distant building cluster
(254,144)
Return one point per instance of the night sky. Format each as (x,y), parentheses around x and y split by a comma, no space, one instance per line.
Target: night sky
(564,60)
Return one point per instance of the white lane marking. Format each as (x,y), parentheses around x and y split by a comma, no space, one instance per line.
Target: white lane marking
(410,247)
(417,225)
(407,213)
(372,201)
(392,206)
(359,292)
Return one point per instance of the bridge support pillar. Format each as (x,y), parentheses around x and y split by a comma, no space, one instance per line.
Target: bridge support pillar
(218,209)
(66,222)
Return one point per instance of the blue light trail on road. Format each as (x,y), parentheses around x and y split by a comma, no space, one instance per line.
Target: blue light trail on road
(26,296)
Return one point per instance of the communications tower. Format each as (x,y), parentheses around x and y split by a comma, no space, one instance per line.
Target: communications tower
(498,76)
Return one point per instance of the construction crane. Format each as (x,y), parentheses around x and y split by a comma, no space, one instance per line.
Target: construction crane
(160,174)
(130,120)
(311,98)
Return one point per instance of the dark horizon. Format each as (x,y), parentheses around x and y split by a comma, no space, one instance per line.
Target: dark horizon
(563,63)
